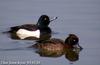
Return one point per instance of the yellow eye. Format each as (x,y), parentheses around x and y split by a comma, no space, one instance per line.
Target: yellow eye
(45,18)
(74,40)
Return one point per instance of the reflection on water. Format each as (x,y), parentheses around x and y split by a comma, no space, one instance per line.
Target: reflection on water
(72,55)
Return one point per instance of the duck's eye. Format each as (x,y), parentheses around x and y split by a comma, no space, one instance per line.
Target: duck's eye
(74,40)
(45,18)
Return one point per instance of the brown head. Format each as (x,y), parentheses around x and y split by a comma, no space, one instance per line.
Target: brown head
(72,39)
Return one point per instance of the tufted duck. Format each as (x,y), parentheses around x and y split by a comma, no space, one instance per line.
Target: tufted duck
(32,31)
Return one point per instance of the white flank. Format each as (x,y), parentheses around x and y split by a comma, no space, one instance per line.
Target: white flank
(22,33)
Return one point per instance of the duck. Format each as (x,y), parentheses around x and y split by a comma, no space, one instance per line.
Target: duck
(33,31)
(56,47)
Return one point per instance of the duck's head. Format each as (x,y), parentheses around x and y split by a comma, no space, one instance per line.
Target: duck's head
(43,21)
(72,40)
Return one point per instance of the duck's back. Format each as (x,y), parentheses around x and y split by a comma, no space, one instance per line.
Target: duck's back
(30,27)
(50,48)
(52,45)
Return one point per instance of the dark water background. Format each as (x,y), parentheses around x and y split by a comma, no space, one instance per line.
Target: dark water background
(81,17)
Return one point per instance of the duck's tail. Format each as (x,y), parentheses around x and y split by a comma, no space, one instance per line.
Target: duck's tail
(5,32)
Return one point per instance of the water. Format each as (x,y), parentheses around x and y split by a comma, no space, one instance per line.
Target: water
(81,17)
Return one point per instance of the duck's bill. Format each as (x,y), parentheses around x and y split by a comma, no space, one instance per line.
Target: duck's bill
(78,46)
(53,18)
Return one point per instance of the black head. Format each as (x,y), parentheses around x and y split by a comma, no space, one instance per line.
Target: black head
(43,21)
(72,39)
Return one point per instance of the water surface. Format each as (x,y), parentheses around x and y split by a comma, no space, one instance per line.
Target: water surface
(81,17)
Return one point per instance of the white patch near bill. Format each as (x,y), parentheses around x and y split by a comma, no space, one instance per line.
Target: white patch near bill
(22,33)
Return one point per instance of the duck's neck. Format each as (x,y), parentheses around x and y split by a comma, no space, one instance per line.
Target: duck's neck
(42,26)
